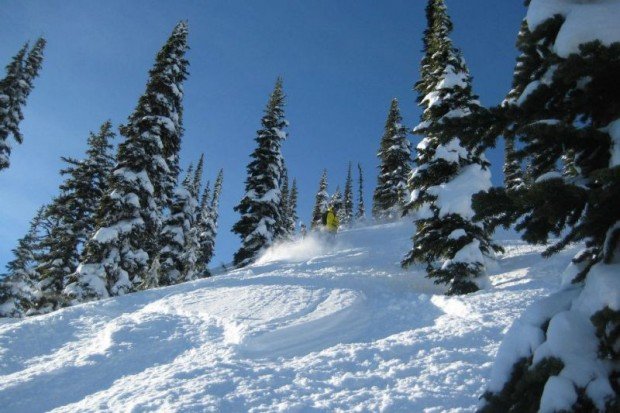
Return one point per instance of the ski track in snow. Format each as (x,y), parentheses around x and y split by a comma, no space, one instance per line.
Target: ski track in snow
(335,329)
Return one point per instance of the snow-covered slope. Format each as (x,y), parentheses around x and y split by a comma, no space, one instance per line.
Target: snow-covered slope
(308,328)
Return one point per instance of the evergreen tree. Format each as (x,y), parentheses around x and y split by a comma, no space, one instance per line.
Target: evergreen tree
(348,199)
(447,173)
(292,209)
(198,178)
(203,215)
(282,227)
(14,91)
(361,210)
(18,289)
(391,193)
(208,225)
(117,257)
(337,199)
(179,243)
(73,214)
(321,202)
(569,107)
(260,207)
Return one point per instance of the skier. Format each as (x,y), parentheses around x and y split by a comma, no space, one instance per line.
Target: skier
(303,230)
(331,221)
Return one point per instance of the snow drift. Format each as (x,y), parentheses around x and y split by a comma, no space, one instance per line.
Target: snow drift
(308,328)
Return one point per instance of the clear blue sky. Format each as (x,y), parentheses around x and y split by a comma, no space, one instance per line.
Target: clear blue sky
(342,63)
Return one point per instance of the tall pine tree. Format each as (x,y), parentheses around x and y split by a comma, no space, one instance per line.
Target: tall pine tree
(260,206)
(391,193)
(282,228)
(348,199)
(178,254)
(292,209)
(447,174)
(569,104)
(18,289)
(361,210)
(208,225)
(14,91)
(73,213)
(321,202)
(117,257)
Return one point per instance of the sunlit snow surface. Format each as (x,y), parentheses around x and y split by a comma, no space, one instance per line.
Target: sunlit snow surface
(310,328)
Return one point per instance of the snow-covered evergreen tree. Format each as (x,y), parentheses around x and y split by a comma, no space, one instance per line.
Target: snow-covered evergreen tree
(208,224)
(260,206)
(391,193)
(563,354)
(117,257)
(14,91)
(447,173)
(348,199)
(337,199)
(197,181)
(73,213)
(321,202)
(18,289)
(282,226)
(361,210)
(292,208)
(178,254)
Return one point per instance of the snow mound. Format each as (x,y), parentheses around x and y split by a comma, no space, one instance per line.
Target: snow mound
(310,327)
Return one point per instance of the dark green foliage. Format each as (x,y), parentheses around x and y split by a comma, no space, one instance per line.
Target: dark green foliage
(14,91)
(391,193)
(348,199)
(522,392)
(117,258)
(361,210)
(19,289)
(207,225)
(292,208)
(73,213)
(561,110)
(442,234)
(282,228)
(321,202)
(260,207)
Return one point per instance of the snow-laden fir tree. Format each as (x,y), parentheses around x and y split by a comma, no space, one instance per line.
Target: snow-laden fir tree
(292,208)
(18,289)
(282,227)
(14,91)
(117,257)
(321,202)
(348,199)
(178,254)
(73,214)
(361,210)
(338,200)
(391,193)
(563,354)
(260,206)
(207,225)
(447,173)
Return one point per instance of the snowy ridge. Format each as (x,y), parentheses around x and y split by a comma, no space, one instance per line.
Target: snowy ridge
(308,328)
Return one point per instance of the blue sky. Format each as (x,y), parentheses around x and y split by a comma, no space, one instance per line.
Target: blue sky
(342,63)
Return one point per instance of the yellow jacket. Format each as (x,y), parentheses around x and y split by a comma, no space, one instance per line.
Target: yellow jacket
(332,221)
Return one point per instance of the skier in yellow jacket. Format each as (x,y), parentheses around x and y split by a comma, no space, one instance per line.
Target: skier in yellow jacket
(331,221)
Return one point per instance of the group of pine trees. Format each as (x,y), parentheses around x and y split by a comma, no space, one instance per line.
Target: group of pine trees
(347,213)
(122,222)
